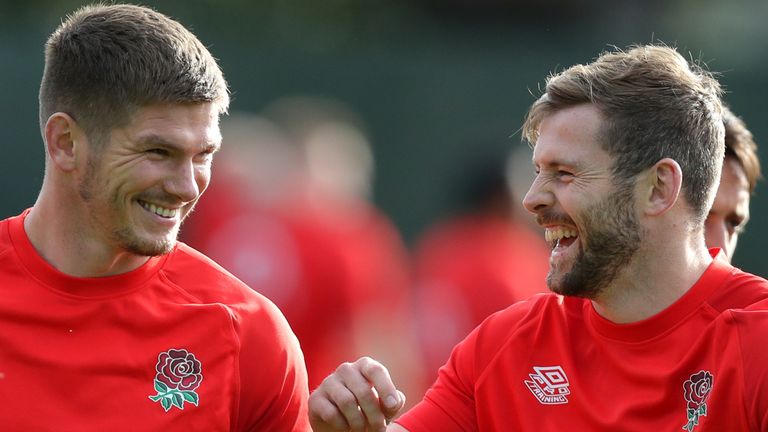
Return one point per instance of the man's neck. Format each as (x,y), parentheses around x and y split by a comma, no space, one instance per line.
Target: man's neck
(59,237)
(652,282)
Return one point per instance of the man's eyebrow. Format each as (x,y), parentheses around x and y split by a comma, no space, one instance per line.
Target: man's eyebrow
(555,163)
(154,140)
(158,140)
(211,147)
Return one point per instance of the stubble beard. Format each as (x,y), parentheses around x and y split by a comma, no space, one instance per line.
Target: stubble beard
(123,235)
(612,237)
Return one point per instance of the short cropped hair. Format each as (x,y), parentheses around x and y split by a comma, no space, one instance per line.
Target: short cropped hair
(105,61)
(740,145)
(656,105)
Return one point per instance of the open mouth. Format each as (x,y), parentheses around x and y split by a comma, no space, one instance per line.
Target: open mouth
(163,212)
(560,237)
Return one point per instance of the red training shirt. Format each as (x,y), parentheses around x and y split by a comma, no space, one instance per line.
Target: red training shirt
(552,363)
(177,344)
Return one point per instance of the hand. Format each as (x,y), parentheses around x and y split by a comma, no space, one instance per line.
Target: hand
(357,397)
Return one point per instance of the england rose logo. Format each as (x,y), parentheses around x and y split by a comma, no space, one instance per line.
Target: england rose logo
(179,374)
(696,390)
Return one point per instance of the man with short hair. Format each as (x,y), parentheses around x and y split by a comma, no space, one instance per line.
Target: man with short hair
(741,170)
(645,329)
(106,321)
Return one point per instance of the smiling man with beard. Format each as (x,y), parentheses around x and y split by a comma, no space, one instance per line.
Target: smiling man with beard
(106,321)
(614,237)
(645,329)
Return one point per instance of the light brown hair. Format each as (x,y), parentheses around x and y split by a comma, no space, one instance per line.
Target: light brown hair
(105,61)
(656,106)
(740,145)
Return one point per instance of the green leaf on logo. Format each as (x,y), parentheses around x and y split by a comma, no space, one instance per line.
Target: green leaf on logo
(178,400)
(166,404)
(160,387)
(191,397)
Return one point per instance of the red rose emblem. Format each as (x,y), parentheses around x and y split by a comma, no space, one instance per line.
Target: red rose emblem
(179,369)
(697,389)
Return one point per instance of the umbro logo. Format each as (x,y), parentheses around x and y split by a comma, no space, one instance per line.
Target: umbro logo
(549,385)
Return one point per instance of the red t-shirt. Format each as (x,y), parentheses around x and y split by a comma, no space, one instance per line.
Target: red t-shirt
(552,363)
(177,344)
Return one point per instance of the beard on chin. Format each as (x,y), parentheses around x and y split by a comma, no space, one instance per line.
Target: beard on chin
(155,247)
(610,238)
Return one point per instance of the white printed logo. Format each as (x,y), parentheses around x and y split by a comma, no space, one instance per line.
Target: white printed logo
(549,384)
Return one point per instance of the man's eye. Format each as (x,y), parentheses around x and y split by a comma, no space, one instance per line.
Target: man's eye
(206,156)
(736,225)
(158,151)
(562,173)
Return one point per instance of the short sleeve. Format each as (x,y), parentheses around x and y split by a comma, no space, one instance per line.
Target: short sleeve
(273,378)
(449,406)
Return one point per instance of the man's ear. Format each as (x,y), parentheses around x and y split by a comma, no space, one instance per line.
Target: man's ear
(663,182)
(63,136)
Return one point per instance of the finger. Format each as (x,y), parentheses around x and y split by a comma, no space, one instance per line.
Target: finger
(367,399)
(400,402)
(324,416)
(376,374)
(342,394)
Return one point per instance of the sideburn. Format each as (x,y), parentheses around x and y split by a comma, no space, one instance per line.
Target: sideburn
(97,140)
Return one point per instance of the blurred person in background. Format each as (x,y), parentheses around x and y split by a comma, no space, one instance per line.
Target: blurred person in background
(107,322)
(729,214)
(332,205)
(240,223)
(294,216)
(473,264)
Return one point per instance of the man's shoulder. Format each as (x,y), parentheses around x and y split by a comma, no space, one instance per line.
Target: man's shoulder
(205,280)
(521,316)
(5,241)
(739,290)
(748,326)
(539,306)
(11,229)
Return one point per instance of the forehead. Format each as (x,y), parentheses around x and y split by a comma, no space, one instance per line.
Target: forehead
(571,137)
(734,174)
(192,125)
(733,193)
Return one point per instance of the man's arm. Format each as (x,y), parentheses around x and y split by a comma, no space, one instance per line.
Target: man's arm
(357,397)
(273,377)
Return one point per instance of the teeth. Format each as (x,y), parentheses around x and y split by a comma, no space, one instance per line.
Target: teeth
(552,235)
(160,211)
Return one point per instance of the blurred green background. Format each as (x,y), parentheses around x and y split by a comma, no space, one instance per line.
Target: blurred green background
(437,82)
